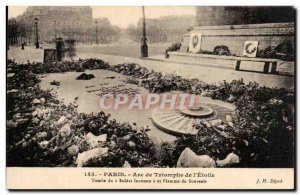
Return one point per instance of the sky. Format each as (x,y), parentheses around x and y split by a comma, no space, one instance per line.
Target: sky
(122,16)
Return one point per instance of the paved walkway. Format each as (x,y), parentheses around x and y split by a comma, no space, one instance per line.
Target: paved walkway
(204,73)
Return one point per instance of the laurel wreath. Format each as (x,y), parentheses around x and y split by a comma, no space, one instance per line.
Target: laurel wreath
(248,50)
(195,41)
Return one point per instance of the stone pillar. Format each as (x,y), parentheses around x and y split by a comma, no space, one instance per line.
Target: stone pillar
(231,15)
(60,49)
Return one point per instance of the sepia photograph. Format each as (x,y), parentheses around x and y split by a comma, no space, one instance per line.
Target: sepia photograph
(190,90)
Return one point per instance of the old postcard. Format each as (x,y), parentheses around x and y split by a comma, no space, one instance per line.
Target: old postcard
(187,97)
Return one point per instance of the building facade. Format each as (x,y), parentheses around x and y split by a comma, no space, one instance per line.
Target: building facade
(57,21)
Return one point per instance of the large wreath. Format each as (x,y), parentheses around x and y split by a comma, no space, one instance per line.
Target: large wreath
(195,41)
(248,48)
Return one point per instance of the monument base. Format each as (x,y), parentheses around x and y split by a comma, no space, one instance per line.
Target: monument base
(265,65)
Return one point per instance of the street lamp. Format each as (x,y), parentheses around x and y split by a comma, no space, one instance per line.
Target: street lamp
(96,32)
(144,46)
(37,45)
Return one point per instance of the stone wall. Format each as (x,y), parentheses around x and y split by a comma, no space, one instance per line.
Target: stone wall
(234,36)
(230,15)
